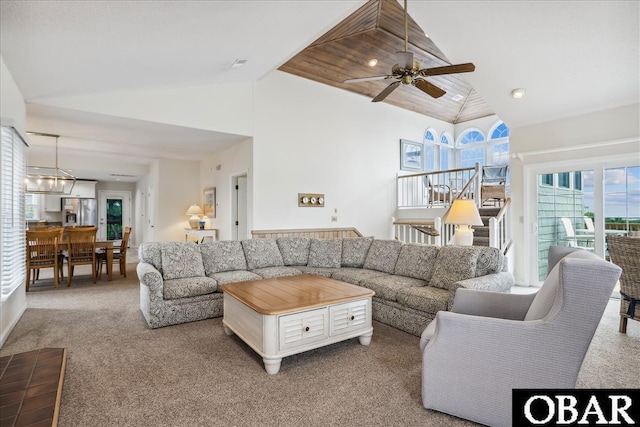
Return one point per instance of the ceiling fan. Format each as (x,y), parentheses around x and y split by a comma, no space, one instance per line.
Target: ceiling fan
(408,72)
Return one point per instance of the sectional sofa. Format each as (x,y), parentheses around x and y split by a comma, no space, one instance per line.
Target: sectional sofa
(179,281)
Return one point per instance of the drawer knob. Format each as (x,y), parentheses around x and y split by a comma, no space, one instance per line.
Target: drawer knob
(306,329)
(353,317)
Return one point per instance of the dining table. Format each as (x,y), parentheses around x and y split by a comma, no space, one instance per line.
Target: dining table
(107,245)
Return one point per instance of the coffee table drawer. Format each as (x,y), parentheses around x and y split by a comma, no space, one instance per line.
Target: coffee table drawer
(349,316)
(299,329)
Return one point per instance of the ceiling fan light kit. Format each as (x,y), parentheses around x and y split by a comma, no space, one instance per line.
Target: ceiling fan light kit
(408,72)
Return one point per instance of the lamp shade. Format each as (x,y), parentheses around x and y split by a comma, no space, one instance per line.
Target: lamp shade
(464,212)
(194,210)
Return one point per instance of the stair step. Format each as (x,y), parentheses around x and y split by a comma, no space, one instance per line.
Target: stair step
(481,231)
(480,241)
(489,211)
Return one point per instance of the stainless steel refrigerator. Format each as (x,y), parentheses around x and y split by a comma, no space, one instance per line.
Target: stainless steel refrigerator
(77,212)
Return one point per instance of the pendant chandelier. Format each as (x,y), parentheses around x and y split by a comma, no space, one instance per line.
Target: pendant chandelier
(48,180)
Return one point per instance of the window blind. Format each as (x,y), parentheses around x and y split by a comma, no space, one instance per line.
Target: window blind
(12,222)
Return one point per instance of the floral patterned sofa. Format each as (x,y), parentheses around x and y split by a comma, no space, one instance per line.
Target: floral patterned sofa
(179,281)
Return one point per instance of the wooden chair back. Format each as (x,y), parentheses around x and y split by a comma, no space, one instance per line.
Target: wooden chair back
(43,251)
(82,245)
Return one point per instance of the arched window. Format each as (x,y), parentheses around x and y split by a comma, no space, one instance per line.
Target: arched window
(501,131)
(431,150)
(446,152)
(470,151)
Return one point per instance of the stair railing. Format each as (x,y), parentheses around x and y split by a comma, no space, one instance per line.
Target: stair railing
(437,189)
(468,191)
(416,231)
(500,229)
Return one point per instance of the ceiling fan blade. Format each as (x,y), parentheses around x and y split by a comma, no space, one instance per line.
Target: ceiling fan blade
(367,79)
(448,69)
(405,59)
(428,88)
(382,95)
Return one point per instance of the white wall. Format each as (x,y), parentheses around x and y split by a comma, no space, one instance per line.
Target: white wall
(178,188)
(14,113)
(316,139)
(234,161)
(594,136)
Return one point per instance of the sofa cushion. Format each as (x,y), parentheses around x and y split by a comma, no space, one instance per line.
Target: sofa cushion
(356,275)
(548,293)
(151,253)
(234,277)
(325,253)
(454,263)
(271,272)
(222,256)
(261,253)
(387,287)
(181,260)
(318,271)
(417,261)
(425,298)
(490,261)
(294,250)
(189,287)
(383,255)
(354,251)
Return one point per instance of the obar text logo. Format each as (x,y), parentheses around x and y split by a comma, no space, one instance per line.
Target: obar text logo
(576,407)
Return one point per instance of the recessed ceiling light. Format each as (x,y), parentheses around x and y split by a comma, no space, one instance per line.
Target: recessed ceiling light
(238,63)
(372,62)
(518,93)
(457,97)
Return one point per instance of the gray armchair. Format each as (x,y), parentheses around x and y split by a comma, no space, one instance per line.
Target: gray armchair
(490,343)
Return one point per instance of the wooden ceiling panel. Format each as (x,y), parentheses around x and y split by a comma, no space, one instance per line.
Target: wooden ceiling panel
(376,31)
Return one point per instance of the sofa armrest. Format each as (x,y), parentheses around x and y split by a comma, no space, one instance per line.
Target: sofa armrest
(496,282)
(492,304)
(151,278)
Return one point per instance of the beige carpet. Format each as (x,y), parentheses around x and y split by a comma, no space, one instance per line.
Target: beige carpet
(121,373)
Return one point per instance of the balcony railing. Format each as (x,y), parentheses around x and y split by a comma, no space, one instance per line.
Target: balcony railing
(437,189)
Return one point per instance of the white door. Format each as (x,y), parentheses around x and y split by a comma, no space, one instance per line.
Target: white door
(115,214)
(239,225)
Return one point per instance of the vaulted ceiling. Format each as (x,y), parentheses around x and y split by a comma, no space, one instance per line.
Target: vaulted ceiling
(376,31)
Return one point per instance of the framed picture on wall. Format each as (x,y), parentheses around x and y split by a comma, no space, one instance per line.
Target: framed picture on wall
(210,202)
(411,156)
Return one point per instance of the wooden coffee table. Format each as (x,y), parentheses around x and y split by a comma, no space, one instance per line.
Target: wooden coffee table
(288,315)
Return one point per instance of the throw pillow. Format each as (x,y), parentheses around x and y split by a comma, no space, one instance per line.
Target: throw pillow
(261,253)
(490,261)
(417,261)
(181,260)
(325,253)
(354,251)
(383,255)
(218,257)
(294,250)
(454,263)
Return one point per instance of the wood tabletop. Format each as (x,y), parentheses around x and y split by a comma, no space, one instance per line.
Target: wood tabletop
(293,293)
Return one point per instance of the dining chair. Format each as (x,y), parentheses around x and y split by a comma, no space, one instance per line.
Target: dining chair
(81,249)
(43,252)
(625,253)
(119,255)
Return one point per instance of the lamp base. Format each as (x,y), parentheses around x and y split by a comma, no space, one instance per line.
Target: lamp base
(194,221)
(464,235)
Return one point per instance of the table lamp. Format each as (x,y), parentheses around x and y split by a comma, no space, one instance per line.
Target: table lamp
(463,214)
(194,210)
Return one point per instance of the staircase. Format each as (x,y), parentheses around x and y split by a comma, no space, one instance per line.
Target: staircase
(481,233)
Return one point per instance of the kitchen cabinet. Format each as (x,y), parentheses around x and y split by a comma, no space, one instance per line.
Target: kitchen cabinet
(53,203)
(83,190)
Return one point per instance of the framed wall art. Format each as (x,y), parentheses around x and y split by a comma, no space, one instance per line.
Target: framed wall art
(411,156)
(210,202)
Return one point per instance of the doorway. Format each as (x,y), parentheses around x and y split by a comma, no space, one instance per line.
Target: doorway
(115,214)
(239,208)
